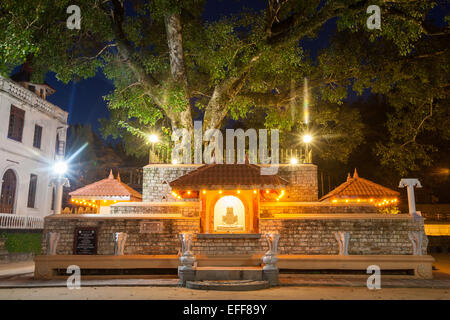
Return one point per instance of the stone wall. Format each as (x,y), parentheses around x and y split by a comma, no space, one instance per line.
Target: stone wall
(184,209)
(156,178)
(380,235)
(271,209)
(370,234)
(163,242)
(302,179)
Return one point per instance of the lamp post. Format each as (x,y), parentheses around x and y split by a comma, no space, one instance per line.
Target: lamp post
(307,138)
(58,182)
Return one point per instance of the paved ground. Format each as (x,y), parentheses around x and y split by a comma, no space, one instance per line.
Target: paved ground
(16,282)
(171,293)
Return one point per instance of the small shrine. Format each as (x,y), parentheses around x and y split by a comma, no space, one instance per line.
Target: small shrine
(229,194)
(360,190)
(100,195)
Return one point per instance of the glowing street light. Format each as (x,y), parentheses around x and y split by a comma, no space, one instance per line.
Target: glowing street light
(307,138)
(153,138)
(60,168)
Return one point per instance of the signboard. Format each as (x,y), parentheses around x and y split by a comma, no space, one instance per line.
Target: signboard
(151,227)
(85,241)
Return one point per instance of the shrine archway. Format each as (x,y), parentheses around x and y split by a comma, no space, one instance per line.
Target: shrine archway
(229,215)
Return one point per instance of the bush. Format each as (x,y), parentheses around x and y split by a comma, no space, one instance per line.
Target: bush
(22,242)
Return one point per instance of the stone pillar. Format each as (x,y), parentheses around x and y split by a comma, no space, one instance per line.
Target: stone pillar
(417,239)
(52,243)
(343,240)
(119,243)
(186,272)
(410,184)
(270,270)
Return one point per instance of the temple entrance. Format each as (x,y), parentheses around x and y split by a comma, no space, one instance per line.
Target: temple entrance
(229,215)
(8,194)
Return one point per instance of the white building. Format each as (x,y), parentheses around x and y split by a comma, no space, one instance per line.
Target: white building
(32,135)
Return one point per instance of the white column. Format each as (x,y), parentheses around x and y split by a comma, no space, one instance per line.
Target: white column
(410,184)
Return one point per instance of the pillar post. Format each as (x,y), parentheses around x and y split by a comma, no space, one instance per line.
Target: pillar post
(410,184)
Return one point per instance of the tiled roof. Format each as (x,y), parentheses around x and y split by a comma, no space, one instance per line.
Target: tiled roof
(228,176)
(105,188)
(361,188)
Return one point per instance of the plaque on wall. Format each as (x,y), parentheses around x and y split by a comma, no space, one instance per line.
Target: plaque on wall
(151,227)
(85,241)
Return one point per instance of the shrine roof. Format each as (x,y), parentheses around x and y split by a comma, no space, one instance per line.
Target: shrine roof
(228,176)
(357,187)
(109,187)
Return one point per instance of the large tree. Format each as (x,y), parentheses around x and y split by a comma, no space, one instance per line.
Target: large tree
(168,64)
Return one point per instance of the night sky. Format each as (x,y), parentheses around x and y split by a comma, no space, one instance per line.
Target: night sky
(84,99)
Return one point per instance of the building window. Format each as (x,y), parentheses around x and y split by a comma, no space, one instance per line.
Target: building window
(32,191)
(16,121)
(37,136)
(52,207)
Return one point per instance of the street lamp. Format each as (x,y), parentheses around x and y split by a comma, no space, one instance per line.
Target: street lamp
(153,138)
(59,181)
(307,139)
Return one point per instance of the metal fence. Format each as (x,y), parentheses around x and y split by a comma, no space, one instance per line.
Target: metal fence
(12,221)
(301,155)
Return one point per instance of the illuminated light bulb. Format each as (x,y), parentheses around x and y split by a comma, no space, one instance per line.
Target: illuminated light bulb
(278,199)
(220,191)
(359,200)
(239,191)
(307,138)
(346,200)
(179,197)
(204,191)
(254,191)
(153,138)
(174,161)
(293,161)
(334,201)
(267,191)
(189,192)
(371,200)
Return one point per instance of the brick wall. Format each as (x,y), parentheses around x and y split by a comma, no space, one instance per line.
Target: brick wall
(367,236)
(156,178)
(184,209)
(165,242)
(307,235)
(302,181)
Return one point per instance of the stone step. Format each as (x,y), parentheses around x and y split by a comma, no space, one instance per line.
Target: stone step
(229,261)
(226,285)
(228,273)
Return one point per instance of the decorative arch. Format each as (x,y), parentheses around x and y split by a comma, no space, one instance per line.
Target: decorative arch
(8,191)
(229,214)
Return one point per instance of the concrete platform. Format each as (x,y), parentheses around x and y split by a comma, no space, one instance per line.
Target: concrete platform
(238,285)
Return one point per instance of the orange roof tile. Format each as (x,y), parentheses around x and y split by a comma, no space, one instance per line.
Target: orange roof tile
(228,176)
(107,188)
(357,187)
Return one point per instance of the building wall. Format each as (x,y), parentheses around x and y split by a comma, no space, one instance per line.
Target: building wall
(302,179)
(372,234)
(156,178)
(22,157)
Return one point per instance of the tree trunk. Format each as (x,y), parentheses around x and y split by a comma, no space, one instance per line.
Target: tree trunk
(178,70)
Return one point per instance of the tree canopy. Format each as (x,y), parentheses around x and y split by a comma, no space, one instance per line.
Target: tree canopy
(171,66)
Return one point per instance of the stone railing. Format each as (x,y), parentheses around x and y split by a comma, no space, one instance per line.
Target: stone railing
(32,99)
(12,221)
